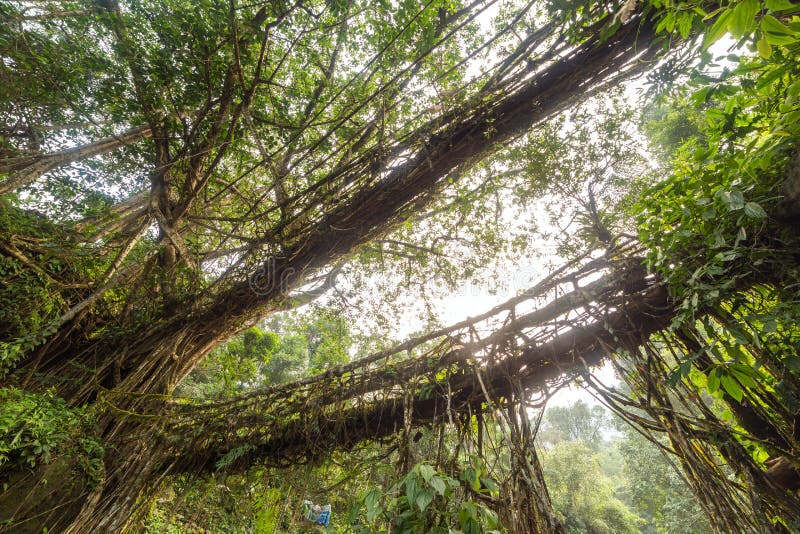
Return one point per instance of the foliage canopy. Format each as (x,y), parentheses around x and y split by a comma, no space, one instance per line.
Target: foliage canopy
(172,173)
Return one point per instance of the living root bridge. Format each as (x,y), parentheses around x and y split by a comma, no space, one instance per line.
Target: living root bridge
(158,357)
(90,360)
(573,319)
(448,382)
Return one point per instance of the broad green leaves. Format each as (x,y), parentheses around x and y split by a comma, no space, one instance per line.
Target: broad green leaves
(754,210)
(710,226)
(372,502)
(36,429)
(743,18)
(717,199)
(777,33)
(731,378)
(753,21)
(718,29)
(428,501)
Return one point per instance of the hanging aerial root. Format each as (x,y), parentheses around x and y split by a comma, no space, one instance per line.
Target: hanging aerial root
(737,492)
(340,410)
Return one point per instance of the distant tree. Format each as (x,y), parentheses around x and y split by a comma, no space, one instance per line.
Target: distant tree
(656,491)
(594,480)
(669,124)
(291,346)
(582,495)
(577,422)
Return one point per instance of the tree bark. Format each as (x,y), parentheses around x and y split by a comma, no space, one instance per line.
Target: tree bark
(158,357)
(27,169)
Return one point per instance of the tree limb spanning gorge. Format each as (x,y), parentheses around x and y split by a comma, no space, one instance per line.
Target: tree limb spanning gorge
(173,173)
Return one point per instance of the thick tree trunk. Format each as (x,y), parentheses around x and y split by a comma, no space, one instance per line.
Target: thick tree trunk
(157,357)
(153,359)
(51,496)
(27,169)
(61,498)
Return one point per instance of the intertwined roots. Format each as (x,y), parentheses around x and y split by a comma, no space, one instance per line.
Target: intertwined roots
(566,323)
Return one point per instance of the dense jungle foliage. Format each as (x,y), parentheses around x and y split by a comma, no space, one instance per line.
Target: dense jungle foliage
(603,476)
(350,252)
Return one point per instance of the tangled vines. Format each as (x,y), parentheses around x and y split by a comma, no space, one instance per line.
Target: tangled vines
(465,369)
(495,363)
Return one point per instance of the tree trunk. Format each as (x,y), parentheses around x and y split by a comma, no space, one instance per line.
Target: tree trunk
(27,169)
(155,358)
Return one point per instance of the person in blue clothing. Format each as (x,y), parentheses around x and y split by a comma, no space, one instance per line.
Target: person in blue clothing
(315,513)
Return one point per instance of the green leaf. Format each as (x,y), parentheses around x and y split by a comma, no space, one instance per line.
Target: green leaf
(776,32)
(753,210)
(372,500)
(713,380)
(489,484)
(736,200)
(770,326)
(667,23)
(743,18)
(794,89)
(424,498)
(709,214)
(792,363)
(709,16)
(490,517)
(412,489)
(425,471)
(438,484)
(718,29)
(744,377)
(791,118)
(741,235)
(685,24)
(779,5)
(763,47)
(468,512)
(470,476)
(732,387)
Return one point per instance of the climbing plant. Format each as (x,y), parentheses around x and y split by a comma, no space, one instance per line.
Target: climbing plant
(173,173)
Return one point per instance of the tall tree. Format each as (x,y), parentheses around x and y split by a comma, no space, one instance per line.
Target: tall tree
(180,171)
(193,164)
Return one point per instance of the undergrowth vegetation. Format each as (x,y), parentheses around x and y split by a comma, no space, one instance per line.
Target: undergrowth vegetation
(228,233)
